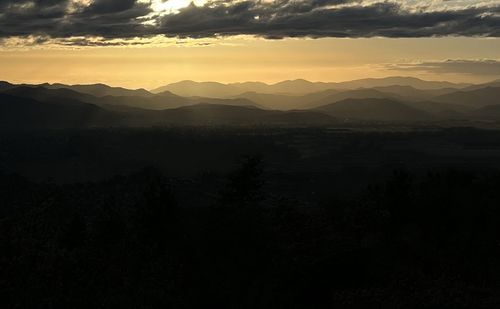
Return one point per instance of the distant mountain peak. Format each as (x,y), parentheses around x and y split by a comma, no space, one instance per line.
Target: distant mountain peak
(294,81)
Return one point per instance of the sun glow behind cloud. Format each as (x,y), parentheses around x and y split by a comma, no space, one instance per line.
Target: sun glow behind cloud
(173,6)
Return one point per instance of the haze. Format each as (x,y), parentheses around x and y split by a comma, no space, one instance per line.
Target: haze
(236,60)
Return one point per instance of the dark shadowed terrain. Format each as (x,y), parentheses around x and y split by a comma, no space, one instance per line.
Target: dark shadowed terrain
(365,194)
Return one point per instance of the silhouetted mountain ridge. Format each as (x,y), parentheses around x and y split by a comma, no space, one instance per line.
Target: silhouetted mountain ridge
(297,87)
(100,90)
(139,108)
(5,85)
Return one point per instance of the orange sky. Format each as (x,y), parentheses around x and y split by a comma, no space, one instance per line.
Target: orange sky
(240,59)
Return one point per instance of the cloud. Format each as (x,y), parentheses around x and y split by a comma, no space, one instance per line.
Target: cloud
(473,67)
(66,18)
(110,6)
(111,19)
(319,19)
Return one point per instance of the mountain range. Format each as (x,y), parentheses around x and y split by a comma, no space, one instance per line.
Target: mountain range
(395,99)
(295,87)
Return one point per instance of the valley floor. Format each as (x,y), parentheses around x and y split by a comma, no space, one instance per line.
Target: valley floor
(250,217)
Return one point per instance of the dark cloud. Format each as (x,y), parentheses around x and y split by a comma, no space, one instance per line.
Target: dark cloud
(317,19)
(111,6)
(11,4)
(274,20)
(473,67)
(54,18)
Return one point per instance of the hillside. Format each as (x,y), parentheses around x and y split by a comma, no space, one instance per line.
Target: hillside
(374,109)
(490,112)
(204,114)
(5,86)
(43,94)
(16,112)
(476,98)
(350,94)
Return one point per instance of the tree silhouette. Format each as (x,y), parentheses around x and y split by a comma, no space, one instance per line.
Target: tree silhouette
(157,210)
(75,233)
(246,182)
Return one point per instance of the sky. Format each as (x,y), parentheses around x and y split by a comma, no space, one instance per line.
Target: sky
(148,43)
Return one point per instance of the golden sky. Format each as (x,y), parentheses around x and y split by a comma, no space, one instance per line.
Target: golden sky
(148,43)
(244,59)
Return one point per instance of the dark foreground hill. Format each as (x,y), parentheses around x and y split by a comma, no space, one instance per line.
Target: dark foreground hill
(42,94)
(164,100)
(39,107)
(62,109)
(16,112)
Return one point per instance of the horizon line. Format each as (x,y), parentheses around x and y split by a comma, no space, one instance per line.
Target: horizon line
(247,81)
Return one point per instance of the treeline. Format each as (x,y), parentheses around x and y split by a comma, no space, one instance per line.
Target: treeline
(128,242)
